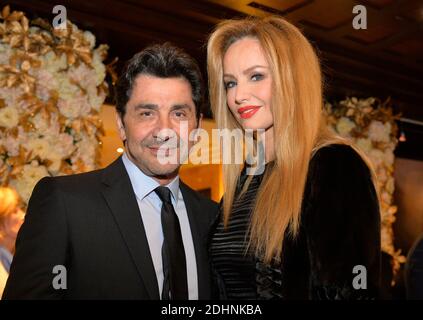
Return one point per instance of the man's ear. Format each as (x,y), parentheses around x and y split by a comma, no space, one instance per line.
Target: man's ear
(121,126)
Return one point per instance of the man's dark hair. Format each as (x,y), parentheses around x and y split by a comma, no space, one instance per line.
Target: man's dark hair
(163,61)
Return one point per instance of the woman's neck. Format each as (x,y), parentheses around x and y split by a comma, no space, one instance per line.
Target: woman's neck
(8,243)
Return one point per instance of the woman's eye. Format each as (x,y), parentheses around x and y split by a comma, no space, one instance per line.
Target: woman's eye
(229,84)
(256,77)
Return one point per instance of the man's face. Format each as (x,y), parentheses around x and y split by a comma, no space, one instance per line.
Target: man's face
(155,113)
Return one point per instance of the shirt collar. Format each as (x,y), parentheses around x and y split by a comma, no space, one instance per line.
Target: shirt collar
(143,185)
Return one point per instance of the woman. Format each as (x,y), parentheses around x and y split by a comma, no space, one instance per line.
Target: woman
(309,226)
(11,219)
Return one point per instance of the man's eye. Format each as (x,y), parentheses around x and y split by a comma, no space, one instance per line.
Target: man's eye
(230,84)
(146,114)
(180,114)
(256,77)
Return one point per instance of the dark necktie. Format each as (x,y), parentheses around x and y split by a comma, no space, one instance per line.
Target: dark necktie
(173,253)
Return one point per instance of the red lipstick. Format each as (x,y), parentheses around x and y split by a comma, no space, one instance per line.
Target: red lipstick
(248,111)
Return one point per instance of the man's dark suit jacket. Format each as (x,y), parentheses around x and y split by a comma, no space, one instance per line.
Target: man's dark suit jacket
(91,224)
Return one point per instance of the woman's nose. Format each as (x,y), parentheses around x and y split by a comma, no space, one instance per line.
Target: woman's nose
(242,94)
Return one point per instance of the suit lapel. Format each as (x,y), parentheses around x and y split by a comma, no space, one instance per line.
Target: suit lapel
(120,197)
(199,228)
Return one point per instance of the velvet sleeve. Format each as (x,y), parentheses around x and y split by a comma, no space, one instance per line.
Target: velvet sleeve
(342,222)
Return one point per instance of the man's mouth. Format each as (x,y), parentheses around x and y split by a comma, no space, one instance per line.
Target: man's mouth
(164,150)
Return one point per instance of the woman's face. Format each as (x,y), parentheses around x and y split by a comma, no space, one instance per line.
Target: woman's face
(13,223)
(248,84)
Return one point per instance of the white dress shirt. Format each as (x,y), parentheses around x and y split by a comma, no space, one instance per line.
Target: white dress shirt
(150,206)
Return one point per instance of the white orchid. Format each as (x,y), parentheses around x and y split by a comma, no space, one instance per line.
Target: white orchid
(28,178)
(49,116)
(9,117)
(344,126)
(379,132)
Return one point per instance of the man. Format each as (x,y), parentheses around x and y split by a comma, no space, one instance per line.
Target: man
(132,230)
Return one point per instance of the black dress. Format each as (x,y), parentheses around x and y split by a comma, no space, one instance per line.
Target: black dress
(340,229)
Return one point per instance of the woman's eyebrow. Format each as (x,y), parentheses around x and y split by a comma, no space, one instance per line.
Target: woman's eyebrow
(248,70)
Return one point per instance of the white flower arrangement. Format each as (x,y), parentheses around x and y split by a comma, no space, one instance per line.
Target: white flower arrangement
(51,90)
(371,126)
(344,126)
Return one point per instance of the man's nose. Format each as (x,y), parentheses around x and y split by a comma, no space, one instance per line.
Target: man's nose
(163,130)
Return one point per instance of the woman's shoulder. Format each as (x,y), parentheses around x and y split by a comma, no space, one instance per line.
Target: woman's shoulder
(340,159)
(342,222)
(334,152)
(338,169)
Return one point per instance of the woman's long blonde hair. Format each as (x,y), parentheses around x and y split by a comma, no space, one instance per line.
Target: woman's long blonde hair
(9,202)
(299,128)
